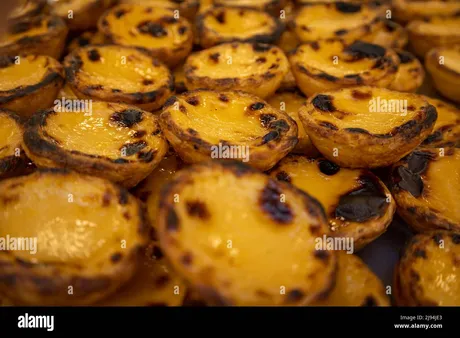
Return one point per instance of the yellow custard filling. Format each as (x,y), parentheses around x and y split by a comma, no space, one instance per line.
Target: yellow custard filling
(145,26)
(380,113)
(97,133)
(125,69)
(236,60)
(24,71)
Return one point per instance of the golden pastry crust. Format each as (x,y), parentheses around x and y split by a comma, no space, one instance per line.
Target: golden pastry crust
(229,24)
(242,127)
(271,6)
(358,205)
(115,141)
(79,247)
(186,8)
(85,39)
(165,34)
(39,35)
(328,65)
(251,67)
(442,64)
(426,187)
(219,259)
(29,83)
(388,34)
(408,10)
(381,125)
(121,74)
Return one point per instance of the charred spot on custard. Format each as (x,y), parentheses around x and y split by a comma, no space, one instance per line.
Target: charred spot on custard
(437,238)
(362,50)
(214,57)
(127,118)
(223,98)
(172,221)
(147,82)
(261,59)
(266,119)
(93,55)
(270,202)
(323,103)
(193,100)
(283,176)
(420,253)
(220,17)
(294,296)
(260,47)
(187,258)
(328,168)
(455,238)
(322,255)
(345,7)
(364,203)
(116,257)
(133,148)
(198,209)
(369,301)
(359,95)
(257,106)
(154,29)
(162,281)
(405,57)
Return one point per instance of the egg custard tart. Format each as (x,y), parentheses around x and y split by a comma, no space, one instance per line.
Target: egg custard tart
(271,6)
(78,247)
(427,273)
(339,20)
(367,127)
(251,67)
(358,205)
(153,284)
(426,186)
(29,83)
(85,39)
(115,141)
(435,32)
(356,285)
(290,102)
(165,34)
(209,235)
(119,74)
(11,154)
(201,125)
(443,64)
(388,34)
(328,65)
(410,74)
(81,15)
(28,9)
(227,24)
(446,131)
(40,35)
(409,10)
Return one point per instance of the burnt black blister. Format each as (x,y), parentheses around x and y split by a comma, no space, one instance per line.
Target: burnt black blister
(265,119)
(405,57)
(154,29)
(127,118)
(273,135)
(133,148)
(283,176)
(328,168)
(94,55)
(198,209)
(346,7)
(364,203)
(417,162)
(361,50)
(410,182)
(323,103)
(270,202)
